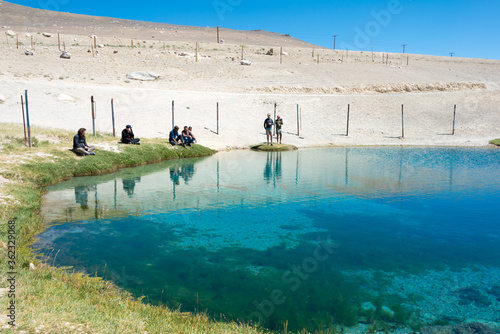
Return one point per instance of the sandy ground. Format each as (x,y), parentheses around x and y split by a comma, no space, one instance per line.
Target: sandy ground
(428,87)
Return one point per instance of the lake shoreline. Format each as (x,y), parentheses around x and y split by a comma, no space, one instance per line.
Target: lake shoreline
(25,184)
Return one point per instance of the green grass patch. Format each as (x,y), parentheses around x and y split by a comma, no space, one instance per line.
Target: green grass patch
(275,147)
(495,142)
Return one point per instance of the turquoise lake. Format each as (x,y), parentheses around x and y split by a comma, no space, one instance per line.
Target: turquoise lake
(403,237)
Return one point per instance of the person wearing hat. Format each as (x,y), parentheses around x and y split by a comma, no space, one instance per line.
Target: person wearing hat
(279,135)
(80,145)
(128,136)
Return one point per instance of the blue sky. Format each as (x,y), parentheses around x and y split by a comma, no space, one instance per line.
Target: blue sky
(438,27)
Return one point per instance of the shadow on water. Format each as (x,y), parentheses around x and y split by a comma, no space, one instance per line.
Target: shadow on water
(282,236)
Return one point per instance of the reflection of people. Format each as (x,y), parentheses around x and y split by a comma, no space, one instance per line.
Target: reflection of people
(277,167)
(268,125)
(272,170)
(187,172)
(279,124)
(174,137)
(82,196)
(128,136)
(175,175)
(268,170)
(129,185)
(80,145)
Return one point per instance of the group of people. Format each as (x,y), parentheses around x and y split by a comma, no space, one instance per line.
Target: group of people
(81,147)
(268,125)
(185,138)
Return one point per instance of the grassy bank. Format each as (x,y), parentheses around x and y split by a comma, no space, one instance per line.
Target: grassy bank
(276,147)
(495,142)
(57,300)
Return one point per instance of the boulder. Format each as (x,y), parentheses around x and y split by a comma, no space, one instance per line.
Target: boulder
(28,53)
(65,98)
(368,306)
(28,34)
(46,34)
(270,52)
(2,98)
(387,312)
(185,54)
(144,76)
(284,53)
(245,62)
(100,45)
(65,55)
(10,33)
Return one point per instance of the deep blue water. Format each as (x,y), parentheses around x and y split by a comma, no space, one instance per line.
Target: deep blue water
(275,237)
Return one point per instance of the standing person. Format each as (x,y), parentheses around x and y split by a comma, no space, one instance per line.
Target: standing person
(268,125)
(191,134)
(80,145)
(186,137)
(174,137)
(128,136)
(279,124)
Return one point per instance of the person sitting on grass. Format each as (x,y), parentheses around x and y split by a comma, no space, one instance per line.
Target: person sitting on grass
(186,136)
(128,136)
(191,134)
(80,145)
(174,137)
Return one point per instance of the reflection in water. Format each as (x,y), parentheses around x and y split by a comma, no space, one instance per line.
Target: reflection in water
(82,195)
(246,224)
(272,169)
(181,171)
(129,185)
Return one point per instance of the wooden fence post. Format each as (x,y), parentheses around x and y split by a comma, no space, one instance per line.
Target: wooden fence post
(28,118)
(402,122)
(348,118)
(24,121)
(173,111)
(92,103)
(454,117)
(298,121)
(197,45)
(113,117)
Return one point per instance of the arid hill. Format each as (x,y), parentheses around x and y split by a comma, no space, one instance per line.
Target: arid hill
(22,18)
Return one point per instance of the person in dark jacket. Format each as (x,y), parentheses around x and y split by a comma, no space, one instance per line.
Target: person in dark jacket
(128,136)
(80,145)
(174,137)
(268,126)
